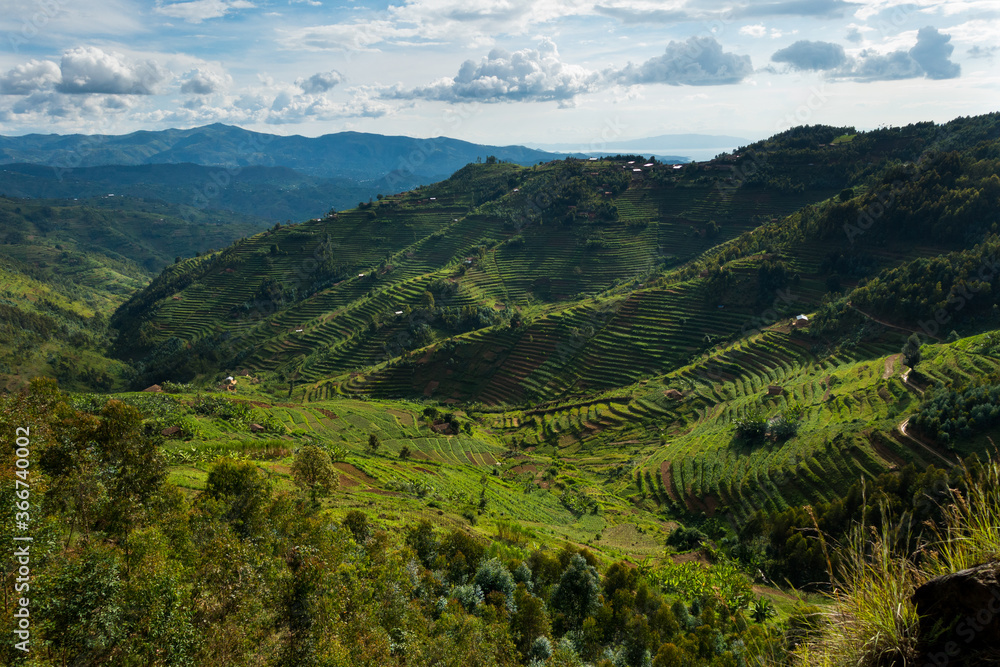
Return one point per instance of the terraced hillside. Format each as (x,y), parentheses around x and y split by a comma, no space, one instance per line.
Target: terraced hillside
(494,244)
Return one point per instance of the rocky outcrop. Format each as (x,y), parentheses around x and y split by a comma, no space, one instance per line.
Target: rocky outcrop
(960,617)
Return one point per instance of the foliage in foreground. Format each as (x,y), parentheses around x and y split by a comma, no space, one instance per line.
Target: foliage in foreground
(127,570)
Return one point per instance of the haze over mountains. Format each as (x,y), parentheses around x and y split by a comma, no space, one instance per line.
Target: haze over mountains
(354,155)
(274,177)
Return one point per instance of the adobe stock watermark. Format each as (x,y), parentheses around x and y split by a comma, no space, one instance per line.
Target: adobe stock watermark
(31,26)
(816,98)
(221,178)
(452,118)
(298,278)
(22,551)
(959,296)
(886,199)
(782,307)
(72,158)
(967,630)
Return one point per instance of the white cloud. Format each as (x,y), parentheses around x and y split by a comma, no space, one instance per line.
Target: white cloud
(525,75)
(30,77)
(88,69)
(205,82)
(930,57)
(320,82)
(807,55)
(699,61)
(757,30)
(196,11)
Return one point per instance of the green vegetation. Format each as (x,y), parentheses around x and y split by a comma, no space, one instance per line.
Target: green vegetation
(564,414)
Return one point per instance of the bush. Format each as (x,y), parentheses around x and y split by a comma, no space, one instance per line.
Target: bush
(493,576)
(685,539)
(468,595)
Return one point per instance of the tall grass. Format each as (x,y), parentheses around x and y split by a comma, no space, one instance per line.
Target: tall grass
(971,531)
(872,622)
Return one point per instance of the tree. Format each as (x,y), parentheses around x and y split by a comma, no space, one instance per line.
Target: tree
(492,576)
(244,489)
(911,351)
(356,521)
(374,442)
(313,470)
(529,622)
(578,589)
(405,452)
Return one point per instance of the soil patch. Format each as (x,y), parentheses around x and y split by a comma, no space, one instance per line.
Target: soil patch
(383,492)
(667,482)
(890,366)
(351,470)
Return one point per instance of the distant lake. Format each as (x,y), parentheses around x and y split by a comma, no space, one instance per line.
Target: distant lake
(661,153)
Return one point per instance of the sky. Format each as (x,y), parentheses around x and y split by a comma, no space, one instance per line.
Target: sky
(495,71)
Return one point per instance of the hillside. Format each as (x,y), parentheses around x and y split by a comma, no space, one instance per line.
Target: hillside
(577,304)
(348,155)
(273,194)
(68,264)
(654,411)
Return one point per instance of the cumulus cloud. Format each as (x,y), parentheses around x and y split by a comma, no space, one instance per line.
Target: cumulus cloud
(47,105)
(30,77)
(700,61)
(854,35)
(88,69)
(320,82)
(525,75)
(806,55)
(196,11)
(933,53)
(930,57)
(205,82)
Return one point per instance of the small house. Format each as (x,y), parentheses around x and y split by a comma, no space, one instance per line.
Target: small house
(155,388)
(171,432)
(673,394)
(256,428)
(775,390)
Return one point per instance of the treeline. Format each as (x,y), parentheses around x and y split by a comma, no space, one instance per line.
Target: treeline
(939,293)
(127,570)
(952,414)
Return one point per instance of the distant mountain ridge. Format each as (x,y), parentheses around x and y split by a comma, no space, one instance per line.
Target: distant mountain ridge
(354,155)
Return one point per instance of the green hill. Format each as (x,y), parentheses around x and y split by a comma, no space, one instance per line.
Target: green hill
(569,300)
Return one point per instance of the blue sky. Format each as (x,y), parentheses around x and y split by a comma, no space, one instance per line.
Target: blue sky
(495,71)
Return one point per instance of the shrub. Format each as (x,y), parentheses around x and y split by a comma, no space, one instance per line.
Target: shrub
(492,576)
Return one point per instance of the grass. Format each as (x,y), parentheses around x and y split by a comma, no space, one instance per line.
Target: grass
(872,619)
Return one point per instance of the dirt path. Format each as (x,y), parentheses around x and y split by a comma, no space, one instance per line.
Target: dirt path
(905,433)
(887,324)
